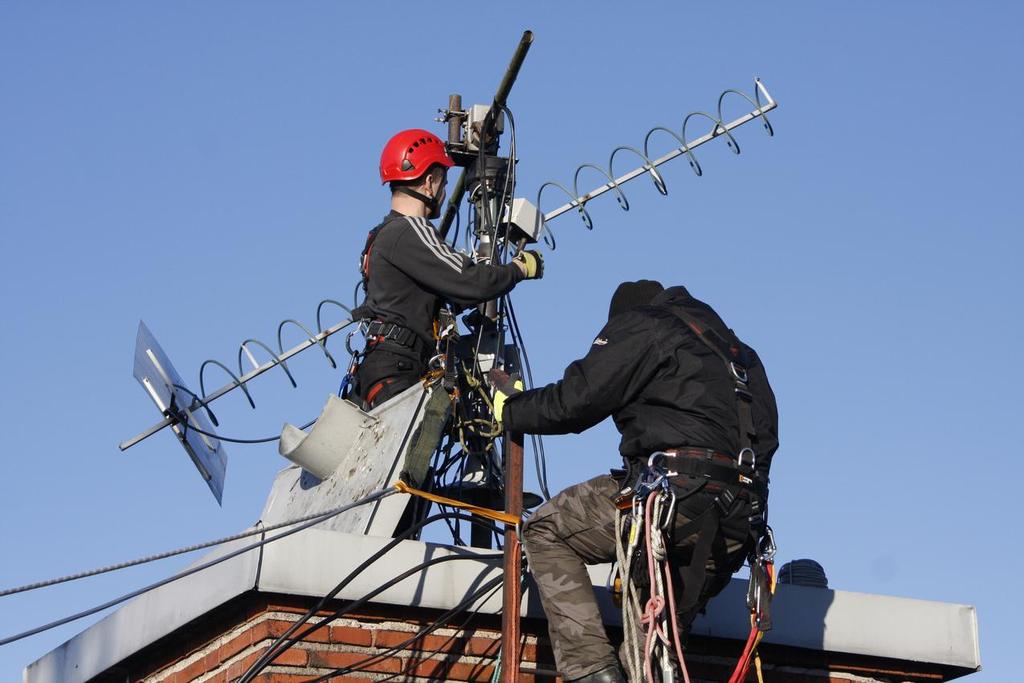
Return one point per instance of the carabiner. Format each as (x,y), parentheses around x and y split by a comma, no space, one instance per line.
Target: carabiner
(652,476)
(670,517)
(348,343)
(766,545)
(653,459)
(638,507)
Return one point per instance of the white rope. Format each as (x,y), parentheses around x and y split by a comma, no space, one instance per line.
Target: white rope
(648,631)
(630,601)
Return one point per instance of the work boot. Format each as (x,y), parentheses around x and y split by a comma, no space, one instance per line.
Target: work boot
(611,674)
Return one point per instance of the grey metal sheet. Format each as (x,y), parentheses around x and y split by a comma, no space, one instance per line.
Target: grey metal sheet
(364,453)
(819,619)
(163,384)
(328,556)
(312,562)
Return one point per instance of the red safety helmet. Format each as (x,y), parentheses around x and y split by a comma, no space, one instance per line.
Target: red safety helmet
(409,154)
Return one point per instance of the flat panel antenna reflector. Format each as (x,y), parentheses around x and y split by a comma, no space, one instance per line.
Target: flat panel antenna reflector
(164,385)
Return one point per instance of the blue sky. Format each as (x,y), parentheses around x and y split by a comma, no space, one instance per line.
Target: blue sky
(211,168)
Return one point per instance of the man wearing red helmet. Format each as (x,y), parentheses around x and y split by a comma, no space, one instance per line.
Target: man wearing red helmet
(409,271)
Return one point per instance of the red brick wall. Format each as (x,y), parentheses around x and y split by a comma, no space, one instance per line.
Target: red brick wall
(222,645)
(363,641)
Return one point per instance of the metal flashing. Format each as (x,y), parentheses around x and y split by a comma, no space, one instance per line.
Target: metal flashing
(148,618)
(311,564)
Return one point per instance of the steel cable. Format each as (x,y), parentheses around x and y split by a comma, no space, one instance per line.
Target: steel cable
(286,639)
(463,605)
(383,493)
(169,553)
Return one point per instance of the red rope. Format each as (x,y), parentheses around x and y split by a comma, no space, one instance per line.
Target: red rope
(743,666)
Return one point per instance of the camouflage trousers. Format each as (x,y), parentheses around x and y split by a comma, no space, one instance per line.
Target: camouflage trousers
(577,528)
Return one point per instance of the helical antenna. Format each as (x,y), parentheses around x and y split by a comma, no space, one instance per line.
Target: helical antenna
(275,356)
(719,128)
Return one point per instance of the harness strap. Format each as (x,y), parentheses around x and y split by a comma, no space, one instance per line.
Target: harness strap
(714,467)
(364,258)
(735,361)
(380,330)
(371,395)
(695,573)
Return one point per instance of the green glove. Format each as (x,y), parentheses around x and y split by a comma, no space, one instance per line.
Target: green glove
(531,263)
(504,388)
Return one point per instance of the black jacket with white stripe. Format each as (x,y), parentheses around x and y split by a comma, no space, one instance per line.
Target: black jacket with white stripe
(410,271)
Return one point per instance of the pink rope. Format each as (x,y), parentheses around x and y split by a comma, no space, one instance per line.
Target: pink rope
(656,604)
(675,624)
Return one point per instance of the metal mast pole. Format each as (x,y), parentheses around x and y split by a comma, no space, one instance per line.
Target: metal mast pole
(500,98)
(513,443)
(512,593)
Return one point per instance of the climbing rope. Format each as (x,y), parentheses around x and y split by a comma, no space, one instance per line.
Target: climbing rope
(651,631)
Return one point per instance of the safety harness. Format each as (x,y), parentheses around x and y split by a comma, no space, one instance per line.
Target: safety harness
(735,358)
(375,331)
(652,633)
(364,257)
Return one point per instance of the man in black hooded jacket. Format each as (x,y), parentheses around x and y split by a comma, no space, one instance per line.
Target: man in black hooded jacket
(666,369)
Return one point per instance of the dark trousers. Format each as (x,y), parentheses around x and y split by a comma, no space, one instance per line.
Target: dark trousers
(577,528)
(385,371)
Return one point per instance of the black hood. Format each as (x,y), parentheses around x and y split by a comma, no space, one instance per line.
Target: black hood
(629,295)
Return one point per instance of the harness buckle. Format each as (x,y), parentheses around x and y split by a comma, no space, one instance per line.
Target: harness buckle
(724,500)
(376,331)
(740,458)
(738,371)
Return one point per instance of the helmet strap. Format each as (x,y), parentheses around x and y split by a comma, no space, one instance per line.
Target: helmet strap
(430,202)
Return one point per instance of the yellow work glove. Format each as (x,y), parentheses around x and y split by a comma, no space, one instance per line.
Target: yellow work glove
(531,263)
(504,388)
